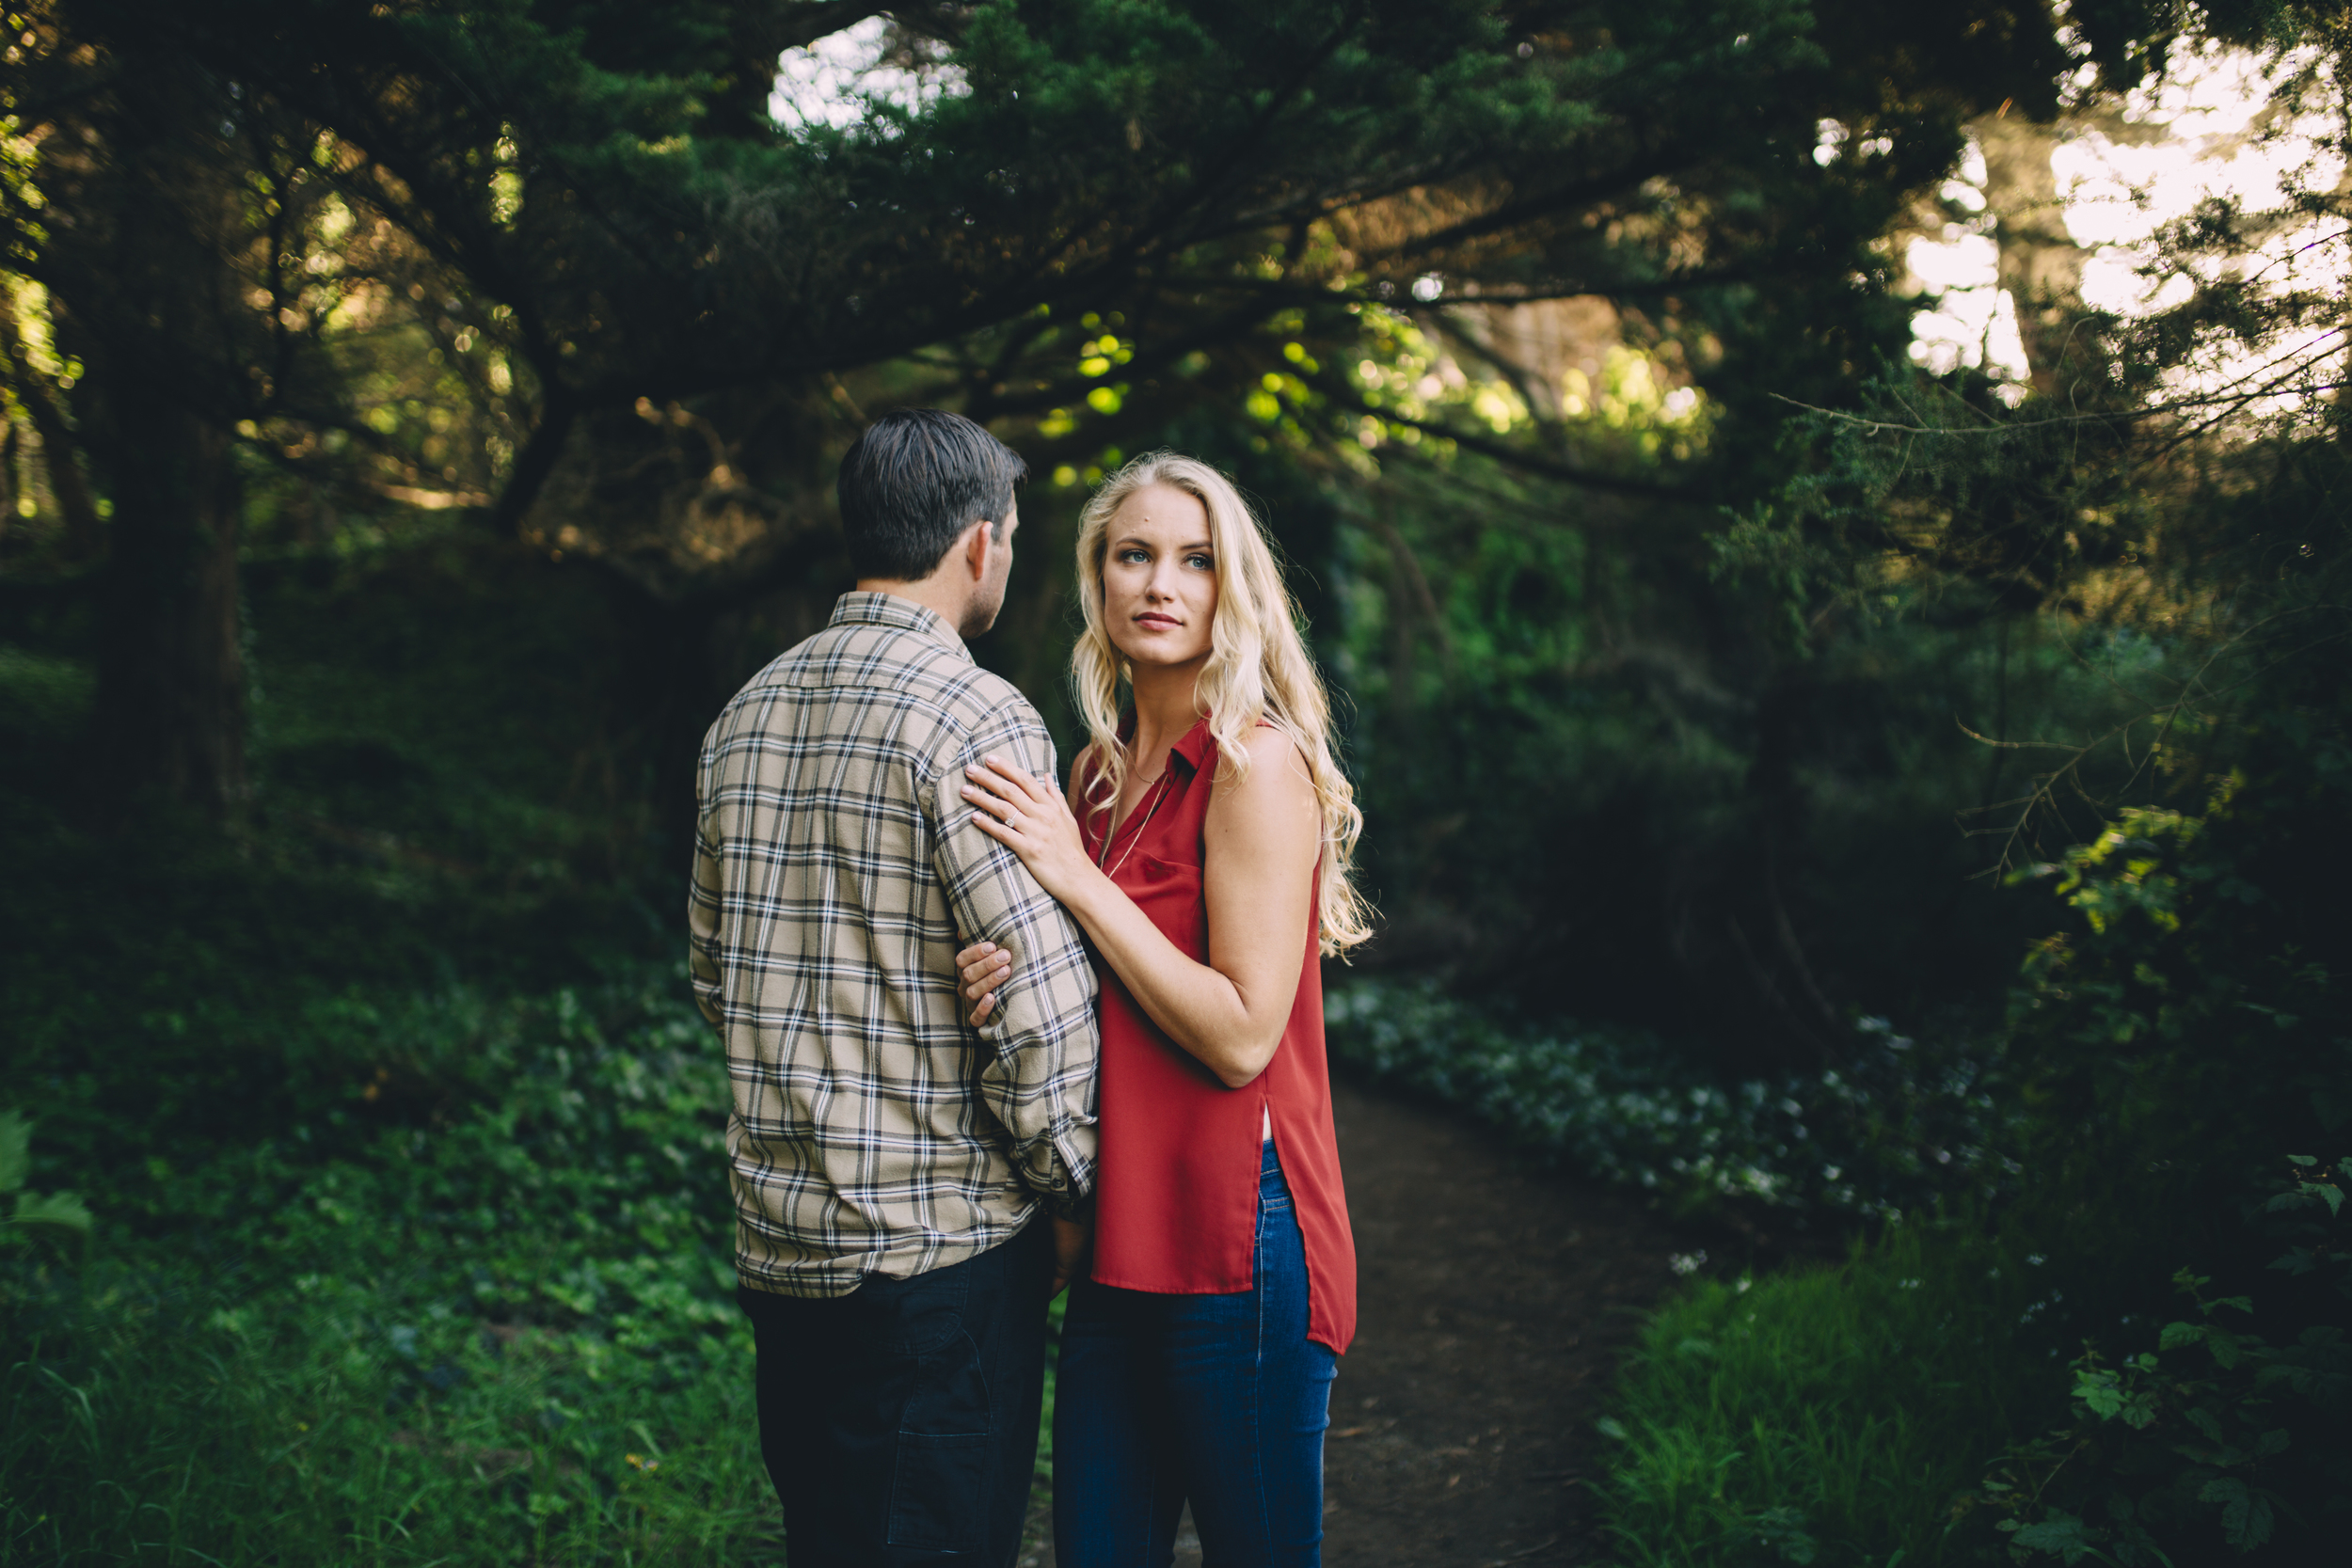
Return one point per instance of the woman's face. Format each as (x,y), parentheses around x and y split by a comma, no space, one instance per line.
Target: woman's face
(1159,578)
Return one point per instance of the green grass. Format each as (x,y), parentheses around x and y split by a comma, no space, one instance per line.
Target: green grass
(157,1422)
(473,1305)
(1824,1413)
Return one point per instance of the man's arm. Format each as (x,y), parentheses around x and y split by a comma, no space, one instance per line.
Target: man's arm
(702,922)
(1042,1039)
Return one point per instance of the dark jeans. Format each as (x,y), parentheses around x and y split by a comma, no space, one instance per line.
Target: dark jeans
(1219,1399)
(900,1422)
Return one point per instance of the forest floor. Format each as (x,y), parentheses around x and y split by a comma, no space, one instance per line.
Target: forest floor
(1493,1303)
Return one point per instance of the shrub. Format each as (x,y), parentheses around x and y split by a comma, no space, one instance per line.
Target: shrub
(2209,1438)
(2166,1050)
(1896,1124)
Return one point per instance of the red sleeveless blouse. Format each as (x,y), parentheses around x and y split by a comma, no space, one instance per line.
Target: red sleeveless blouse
(1176,1181)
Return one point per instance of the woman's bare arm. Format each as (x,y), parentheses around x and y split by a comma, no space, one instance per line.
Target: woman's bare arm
(1263,837)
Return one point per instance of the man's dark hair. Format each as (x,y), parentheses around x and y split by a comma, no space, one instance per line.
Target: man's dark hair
(915,481)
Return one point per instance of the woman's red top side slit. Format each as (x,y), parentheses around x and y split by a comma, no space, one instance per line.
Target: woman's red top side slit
(1177,1178)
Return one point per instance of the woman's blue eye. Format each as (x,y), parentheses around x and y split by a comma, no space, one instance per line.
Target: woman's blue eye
(1206,563)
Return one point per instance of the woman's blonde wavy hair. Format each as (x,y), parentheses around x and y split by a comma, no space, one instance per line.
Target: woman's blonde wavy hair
(1258,668)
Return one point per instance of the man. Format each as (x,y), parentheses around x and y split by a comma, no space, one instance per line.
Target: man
(889,1161)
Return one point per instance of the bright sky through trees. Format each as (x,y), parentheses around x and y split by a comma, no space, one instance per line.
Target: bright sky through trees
(1976,321)
(2204,131)
(2207,131)
(835,80)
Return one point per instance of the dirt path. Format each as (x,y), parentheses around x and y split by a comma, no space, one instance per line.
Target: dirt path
(1492,1302)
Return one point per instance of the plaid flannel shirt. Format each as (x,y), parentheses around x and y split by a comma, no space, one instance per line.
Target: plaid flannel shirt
(836,876)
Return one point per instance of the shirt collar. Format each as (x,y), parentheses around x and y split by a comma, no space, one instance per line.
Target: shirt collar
(1194,745)
(888,610)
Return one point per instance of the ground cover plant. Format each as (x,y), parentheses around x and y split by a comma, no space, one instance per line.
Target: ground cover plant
(1896,1125)
(496,1325)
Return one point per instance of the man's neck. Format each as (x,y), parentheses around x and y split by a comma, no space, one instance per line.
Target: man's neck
(934,594)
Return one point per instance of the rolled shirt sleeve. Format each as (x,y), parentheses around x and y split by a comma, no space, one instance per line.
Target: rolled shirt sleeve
(702,925)
(1037,1074)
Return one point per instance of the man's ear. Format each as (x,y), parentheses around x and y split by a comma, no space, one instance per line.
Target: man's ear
(977,540)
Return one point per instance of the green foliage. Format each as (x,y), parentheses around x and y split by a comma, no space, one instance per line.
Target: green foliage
(33,1216)
(2190,1019)
(2184,1033)
(1894,1128)
(1100,149)
(2214,1434)
(2189,1027)
(398,1132)
(1942,486)
(479,1307)
(1823,1415)
(2161,1048)
(1590,771)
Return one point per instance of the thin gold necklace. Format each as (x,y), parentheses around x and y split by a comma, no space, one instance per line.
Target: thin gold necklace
(1158,789)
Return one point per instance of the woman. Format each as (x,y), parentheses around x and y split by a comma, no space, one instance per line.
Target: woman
(1204,846)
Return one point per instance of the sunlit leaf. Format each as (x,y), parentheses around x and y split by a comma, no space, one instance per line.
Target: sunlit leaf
(53,1210)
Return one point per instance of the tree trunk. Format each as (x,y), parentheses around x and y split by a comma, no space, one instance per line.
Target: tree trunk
(170,710)
(170,717)
(151,222)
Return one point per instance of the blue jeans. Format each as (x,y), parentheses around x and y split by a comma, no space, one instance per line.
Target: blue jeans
(1219,1399)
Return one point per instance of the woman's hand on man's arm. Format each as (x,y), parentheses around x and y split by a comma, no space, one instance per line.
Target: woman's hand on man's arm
(1030,817)
(1264,837)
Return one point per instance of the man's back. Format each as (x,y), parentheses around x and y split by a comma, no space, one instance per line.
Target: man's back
(874,1131)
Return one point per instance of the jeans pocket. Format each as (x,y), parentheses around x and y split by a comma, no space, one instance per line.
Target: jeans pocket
(947,1441)
(920,1316)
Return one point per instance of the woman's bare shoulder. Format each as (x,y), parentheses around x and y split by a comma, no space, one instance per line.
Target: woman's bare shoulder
(1276,783)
